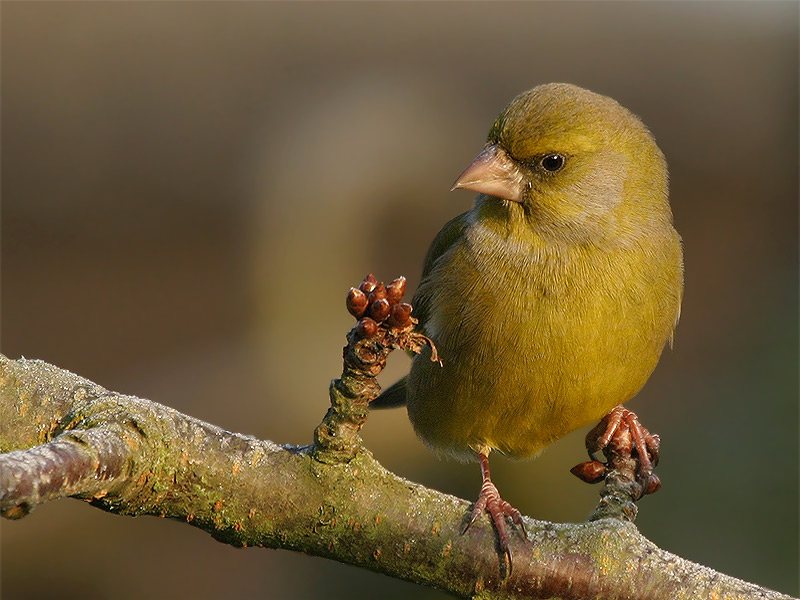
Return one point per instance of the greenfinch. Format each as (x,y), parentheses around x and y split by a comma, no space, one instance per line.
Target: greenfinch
(551,299)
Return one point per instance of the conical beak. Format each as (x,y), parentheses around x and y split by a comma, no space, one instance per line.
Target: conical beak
(494,173)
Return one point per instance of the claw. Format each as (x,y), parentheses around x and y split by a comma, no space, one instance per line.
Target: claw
(499,510)
(620,433)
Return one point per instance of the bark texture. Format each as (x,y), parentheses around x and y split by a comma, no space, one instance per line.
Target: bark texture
(64,436)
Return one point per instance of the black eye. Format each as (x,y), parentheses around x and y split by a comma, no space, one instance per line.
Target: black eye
(553,162)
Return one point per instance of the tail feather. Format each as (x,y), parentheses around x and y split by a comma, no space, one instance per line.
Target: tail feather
(392,397)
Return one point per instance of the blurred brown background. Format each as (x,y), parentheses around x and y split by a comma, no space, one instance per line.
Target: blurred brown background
(189,189)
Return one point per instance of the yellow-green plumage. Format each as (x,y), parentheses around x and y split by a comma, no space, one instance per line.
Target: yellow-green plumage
(550,309)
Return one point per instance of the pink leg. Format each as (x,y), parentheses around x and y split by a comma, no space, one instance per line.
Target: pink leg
(489,500)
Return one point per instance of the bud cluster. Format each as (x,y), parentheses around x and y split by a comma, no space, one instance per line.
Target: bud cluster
(375,304)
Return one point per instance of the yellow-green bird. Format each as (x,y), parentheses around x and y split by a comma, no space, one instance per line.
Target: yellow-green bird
(550,300)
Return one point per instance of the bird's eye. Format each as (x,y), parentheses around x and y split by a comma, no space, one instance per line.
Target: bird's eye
(553,162)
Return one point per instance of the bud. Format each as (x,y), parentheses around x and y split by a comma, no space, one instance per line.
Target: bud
(366,327)
(400,315)
(356,302)
(395,290)
(590,471)
(653,484)
(368,284)
(379,309)
(379,293)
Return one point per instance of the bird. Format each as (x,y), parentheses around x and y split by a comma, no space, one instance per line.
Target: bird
(551,299)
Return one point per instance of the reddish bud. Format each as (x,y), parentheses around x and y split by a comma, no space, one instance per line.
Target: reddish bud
(379,309)
(590,471)
(653,484)
(400,315)
(368,284)
(395,290)
(379,293)
(356,302)
(366,327)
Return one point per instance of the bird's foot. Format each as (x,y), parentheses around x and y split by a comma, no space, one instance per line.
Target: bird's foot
(499,511)
(621,438)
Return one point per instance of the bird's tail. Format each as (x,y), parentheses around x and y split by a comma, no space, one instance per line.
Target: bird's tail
(393,396)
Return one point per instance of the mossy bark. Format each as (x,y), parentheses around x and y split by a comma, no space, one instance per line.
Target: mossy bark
(64,436)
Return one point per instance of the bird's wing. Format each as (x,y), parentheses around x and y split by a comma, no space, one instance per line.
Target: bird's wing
(444,240)
(678,246)
(677,318)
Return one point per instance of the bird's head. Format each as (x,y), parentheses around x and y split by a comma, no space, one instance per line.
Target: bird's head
(578,164)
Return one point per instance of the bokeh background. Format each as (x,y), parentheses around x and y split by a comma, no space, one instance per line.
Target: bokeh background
(189,189)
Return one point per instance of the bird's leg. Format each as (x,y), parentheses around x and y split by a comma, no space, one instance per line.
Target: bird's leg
(489,500)
(620,435)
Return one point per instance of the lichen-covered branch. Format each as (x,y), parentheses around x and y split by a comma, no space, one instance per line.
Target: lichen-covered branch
(64,436)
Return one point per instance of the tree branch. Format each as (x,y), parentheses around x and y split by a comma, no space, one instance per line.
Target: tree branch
(134,457)
(64,436)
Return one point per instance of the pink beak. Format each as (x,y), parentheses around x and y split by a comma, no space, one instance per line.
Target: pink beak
(494,173)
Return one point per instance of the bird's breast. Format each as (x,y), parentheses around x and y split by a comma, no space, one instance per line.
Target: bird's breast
(535,340)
